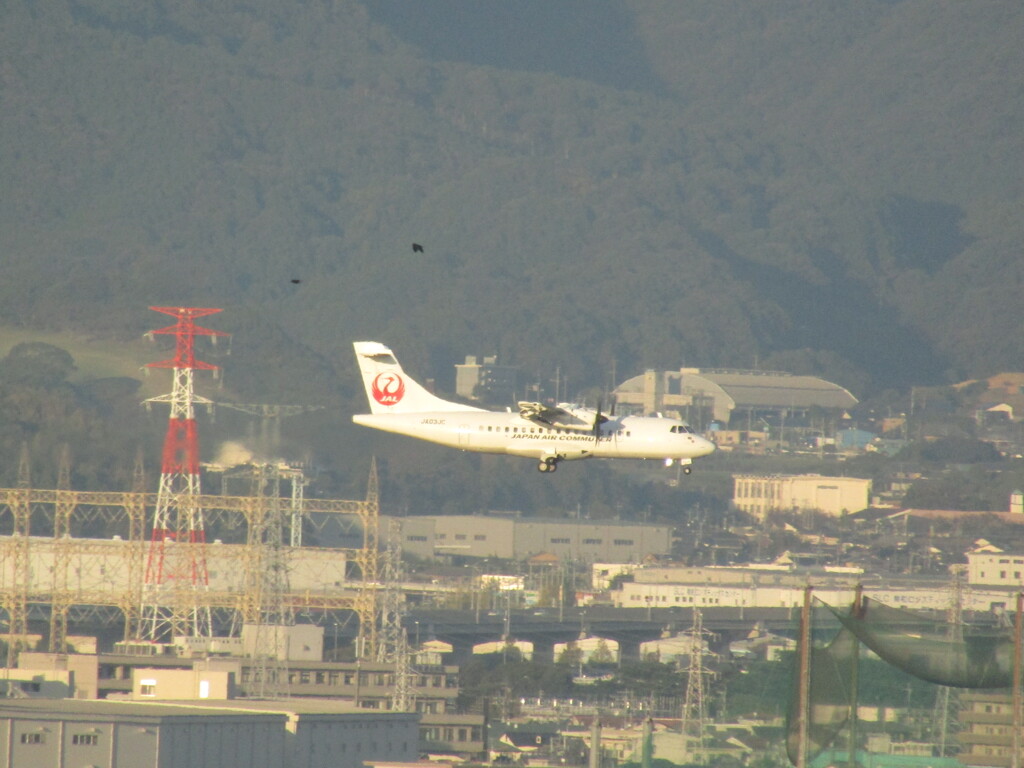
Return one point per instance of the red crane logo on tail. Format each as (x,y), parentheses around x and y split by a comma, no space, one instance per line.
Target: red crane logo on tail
(387,388)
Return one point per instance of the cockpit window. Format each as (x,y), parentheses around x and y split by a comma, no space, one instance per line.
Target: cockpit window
(681,429)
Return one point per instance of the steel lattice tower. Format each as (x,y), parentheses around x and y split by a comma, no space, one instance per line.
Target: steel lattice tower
(176,563)
(393,640)
(694,715)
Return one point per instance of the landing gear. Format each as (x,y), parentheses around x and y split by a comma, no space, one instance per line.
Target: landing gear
(683,467)
(548,465)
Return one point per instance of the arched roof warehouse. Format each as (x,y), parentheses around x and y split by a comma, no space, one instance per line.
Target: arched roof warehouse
(722,391)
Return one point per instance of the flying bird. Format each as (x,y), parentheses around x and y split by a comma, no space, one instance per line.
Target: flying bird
(296,281)
(417,248)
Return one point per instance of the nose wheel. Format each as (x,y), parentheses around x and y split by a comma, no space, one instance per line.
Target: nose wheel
(548,465)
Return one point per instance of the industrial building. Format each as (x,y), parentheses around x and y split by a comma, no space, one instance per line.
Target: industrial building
(730,397)
(486,380)
(758,495)
(368,685)
(516,538)
(48,733)
(783,586)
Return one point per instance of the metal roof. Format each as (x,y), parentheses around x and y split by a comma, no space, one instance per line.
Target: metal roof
(753,389)
(774,389)
(51,709)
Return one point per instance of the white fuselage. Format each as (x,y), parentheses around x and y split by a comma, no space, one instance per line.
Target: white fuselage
(630,437)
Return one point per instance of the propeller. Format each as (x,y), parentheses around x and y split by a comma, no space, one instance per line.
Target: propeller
(599,419)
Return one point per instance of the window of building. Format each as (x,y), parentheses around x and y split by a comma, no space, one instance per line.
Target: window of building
(592,541)
(147,687)
(559,540)
(480,537)
(32,738)
(460,537)
(85,739)
(415,538)
(623,542)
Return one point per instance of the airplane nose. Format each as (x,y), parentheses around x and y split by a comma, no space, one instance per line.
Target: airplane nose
(709,446)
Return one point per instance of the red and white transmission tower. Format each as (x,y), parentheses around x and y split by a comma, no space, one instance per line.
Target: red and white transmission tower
(176,566)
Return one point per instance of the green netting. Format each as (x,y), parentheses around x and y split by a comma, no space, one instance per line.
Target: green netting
(960,656)
(940,652)
(832,679)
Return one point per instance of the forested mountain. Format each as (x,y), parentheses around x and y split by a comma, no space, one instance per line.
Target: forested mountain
(826,188)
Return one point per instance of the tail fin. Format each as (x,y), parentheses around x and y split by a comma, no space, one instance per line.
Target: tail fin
(389,389)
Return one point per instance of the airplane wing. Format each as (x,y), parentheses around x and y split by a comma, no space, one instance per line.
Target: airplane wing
(555,416)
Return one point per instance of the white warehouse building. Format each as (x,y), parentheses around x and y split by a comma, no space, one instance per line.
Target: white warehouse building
(783,587)
(759,494)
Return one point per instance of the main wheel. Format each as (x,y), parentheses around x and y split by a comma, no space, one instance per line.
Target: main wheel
(687,470)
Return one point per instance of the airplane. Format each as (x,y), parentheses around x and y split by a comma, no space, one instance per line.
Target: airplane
(550,434)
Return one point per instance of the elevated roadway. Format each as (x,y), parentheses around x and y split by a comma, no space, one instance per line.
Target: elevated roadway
(628,626)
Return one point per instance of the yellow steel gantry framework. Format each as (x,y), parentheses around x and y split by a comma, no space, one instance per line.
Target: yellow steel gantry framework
(25,510)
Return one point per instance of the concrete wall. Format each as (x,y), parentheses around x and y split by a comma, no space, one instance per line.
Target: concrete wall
(590,542)
(182,684)
(473,536)
(300,642)
(238,741)
(82,670)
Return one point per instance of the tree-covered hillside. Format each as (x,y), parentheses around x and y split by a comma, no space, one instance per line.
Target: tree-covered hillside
(602,187)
